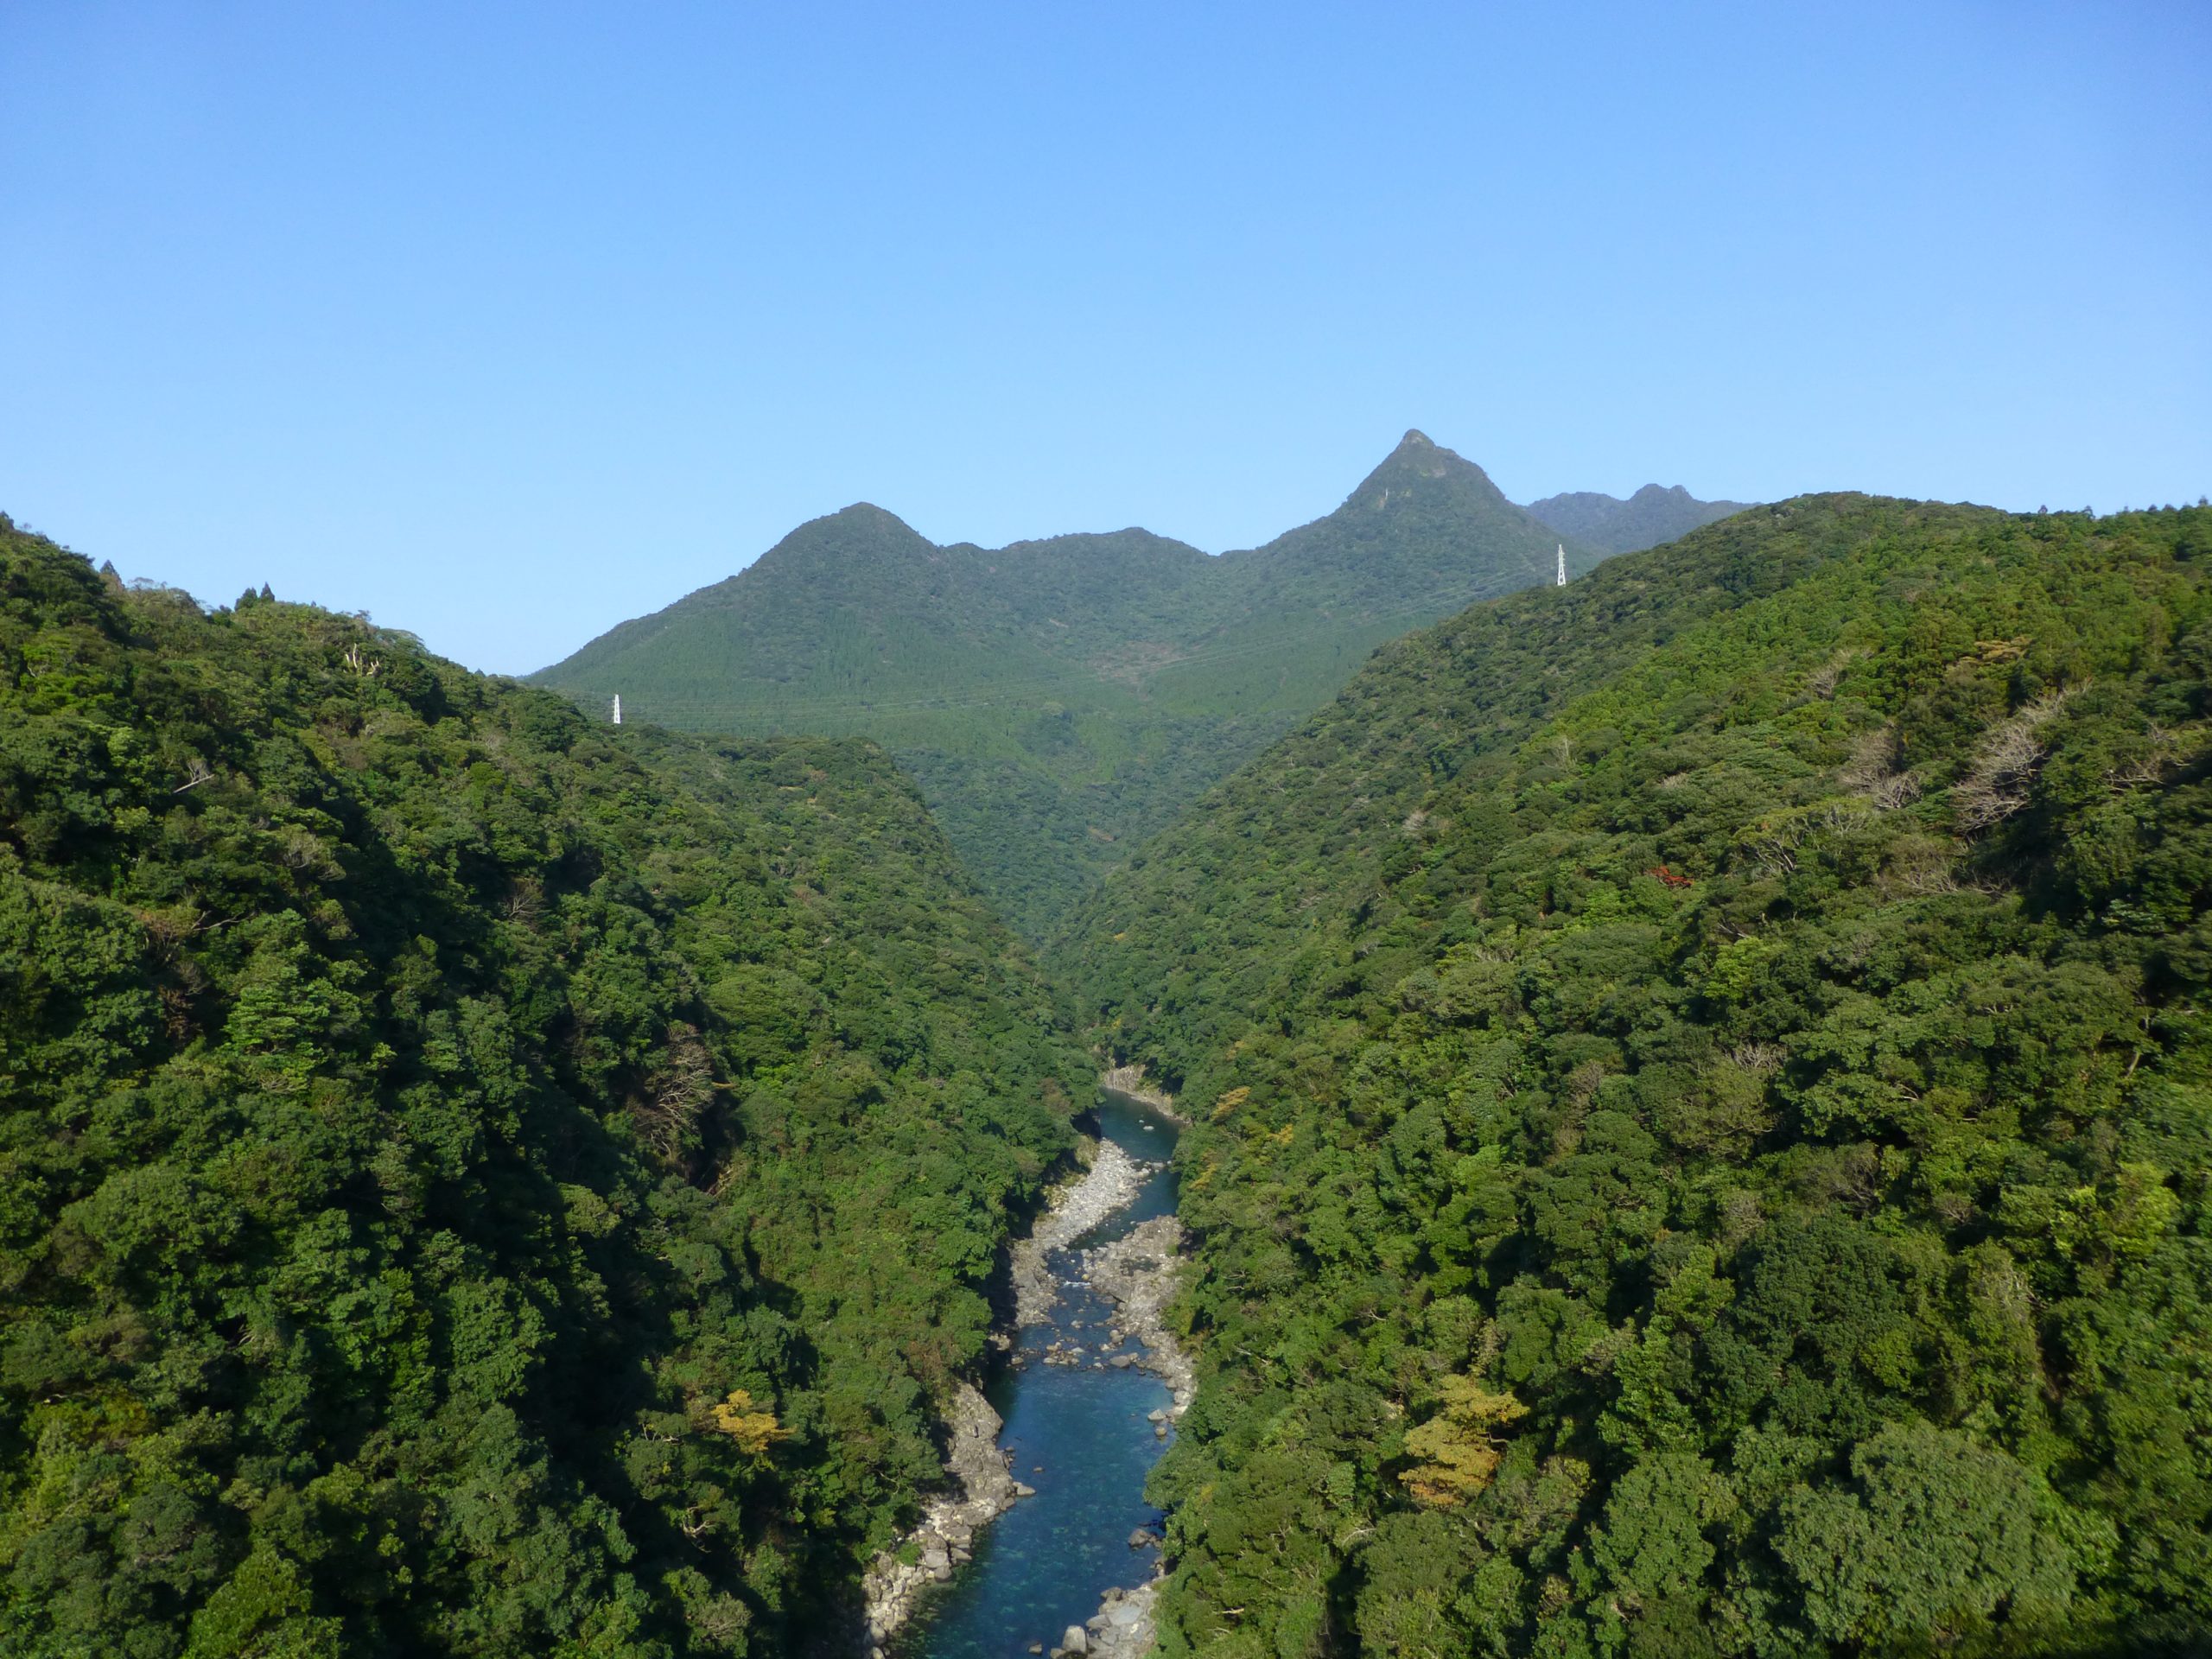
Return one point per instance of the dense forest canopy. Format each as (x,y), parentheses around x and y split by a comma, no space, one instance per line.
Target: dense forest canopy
(472,1181)
(1060,699)
(1703,1110)
(1703,1106)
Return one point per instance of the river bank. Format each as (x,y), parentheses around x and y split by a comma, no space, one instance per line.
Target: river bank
(1130,1080)
(944,1537)
(1139,1274)
(1107,1188)
(1089,1394)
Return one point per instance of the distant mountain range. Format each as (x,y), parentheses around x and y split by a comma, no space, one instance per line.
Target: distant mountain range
(1651,516)
(1059,700)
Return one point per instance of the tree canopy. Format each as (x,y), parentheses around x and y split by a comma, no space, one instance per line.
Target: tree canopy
(1703,1110)
(472,1181)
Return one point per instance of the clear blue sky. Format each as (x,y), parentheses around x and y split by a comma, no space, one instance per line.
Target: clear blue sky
(505,322)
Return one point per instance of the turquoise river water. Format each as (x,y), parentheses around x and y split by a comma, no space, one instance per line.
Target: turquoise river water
(1082,1437)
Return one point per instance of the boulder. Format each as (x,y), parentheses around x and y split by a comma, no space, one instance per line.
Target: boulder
(1075,1639)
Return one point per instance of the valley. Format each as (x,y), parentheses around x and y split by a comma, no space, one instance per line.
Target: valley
(1680,1078)
(1059,701)
(882,929)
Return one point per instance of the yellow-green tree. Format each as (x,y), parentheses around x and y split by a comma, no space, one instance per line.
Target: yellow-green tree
(1457,1447)
(752,1426)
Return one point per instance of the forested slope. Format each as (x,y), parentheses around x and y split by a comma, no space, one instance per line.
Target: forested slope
(1703,1119)
(1060,699)
(471,1181)
(1649,516)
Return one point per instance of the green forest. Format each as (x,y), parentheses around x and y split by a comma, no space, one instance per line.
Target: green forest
(1059,701)
(1703,1111)
(1701,1097)
(472,1181)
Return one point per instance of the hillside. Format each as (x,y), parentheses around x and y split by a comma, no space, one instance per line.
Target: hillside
(472,1181)
(1649,516)
(1060,700)
(1703,1110)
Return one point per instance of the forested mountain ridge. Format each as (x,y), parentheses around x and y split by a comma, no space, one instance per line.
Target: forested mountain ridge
(1060,700)
(471,1181)
(1271,860)
(1704,1110)
(862,578)
(1649,516)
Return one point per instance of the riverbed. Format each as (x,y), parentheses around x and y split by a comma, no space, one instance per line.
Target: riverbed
(1081,1432)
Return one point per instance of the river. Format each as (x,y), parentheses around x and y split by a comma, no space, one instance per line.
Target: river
(1082,1435)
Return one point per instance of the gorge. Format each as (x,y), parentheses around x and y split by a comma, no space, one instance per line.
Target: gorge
(1682,1076)
(1093,1388)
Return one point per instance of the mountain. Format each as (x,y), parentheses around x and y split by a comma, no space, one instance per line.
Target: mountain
(472,1180)
(1059,700)
(1649,516)
(1702,1099)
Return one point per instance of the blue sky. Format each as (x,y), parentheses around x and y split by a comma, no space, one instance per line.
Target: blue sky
(505,322)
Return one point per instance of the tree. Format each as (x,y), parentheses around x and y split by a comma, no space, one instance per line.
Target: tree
(1460,1452)
(1937,1536)
(1651,1543)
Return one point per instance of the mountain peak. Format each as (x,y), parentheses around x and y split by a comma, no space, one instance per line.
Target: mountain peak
(863,524)
(1425,521)
(1417,457)
(867,512)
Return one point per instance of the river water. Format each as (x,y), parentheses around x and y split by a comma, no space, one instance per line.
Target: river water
(1083,1438)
